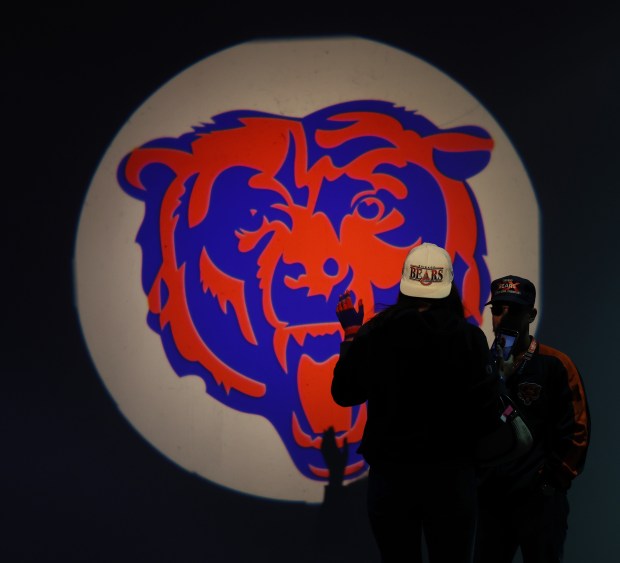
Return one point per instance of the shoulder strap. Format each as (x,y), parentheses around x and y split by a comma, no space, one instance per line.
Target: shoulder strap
(526,357)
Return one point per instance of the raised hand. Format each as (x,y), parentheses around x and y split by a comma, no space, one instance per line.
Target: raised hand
(350,319)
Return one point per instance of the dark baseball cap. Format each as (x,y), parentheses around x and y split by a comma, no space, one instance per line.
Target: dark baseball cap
(513,289)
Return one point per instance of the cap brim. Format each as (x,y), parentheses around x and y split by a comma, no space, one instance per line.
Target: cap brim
(508,298)
(433,291)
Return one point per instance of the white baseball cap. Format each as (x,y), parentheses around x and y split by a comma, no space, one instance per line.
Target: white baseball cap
(427,272)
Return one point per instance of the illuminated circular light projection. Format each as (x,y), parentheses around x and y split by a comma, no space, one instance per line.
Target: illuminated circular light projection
(234,207)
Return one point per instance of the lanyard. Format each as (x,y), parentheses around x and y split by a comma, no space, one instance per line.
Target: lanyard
(526,357)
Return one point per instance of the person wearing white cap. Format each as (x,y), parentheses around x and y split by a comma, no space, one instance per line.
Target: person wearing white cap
(421,368)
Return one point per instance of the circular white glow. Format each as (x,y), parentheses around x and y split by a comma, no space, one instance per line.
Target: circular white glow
(289,78)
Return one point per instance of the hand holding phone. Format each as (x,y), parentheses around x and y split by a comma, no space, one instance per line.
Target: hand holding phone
(501,349)
(504,342)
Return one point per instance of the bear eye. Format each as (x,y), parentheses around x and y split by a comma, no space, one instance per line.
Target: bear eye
(370,208)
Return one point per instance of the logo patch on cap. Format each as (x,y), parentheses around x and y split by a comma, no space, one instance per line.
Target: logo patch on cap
(509,286)
(426,275)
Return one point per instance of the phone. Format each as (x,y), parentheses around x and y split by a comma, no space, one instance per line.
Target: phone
(505,338)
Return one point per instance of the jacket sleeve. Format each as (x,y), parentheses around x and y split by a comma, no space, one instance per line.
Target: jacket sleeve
(571,424)
(350,382)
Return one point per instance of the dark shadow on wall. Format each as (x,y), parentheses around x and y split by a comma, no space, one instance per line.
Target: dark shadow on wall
(81,485)
(341,532)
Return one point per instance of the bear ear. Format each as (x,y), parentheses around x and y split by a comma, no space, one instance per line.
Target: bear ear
(460,165)
(468,155)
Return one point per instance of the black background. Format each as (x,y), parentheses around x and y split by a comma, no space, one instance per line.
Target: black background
(78,482)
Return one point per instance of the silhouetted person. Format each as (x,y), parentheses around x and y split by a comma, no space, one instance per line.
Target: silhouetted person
(524,503)
(421,367)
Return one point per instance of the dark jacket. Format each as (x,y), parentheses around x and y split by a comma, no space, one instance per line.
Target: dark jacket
(424,377)
(550,395)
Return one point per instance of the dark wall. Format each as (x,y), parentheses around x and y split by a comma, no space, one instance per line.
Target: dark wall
(78,482)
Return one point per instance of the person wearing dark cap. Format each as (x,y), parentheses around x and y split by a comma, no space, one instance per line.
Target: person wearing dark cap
(421,368)
(523,504)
